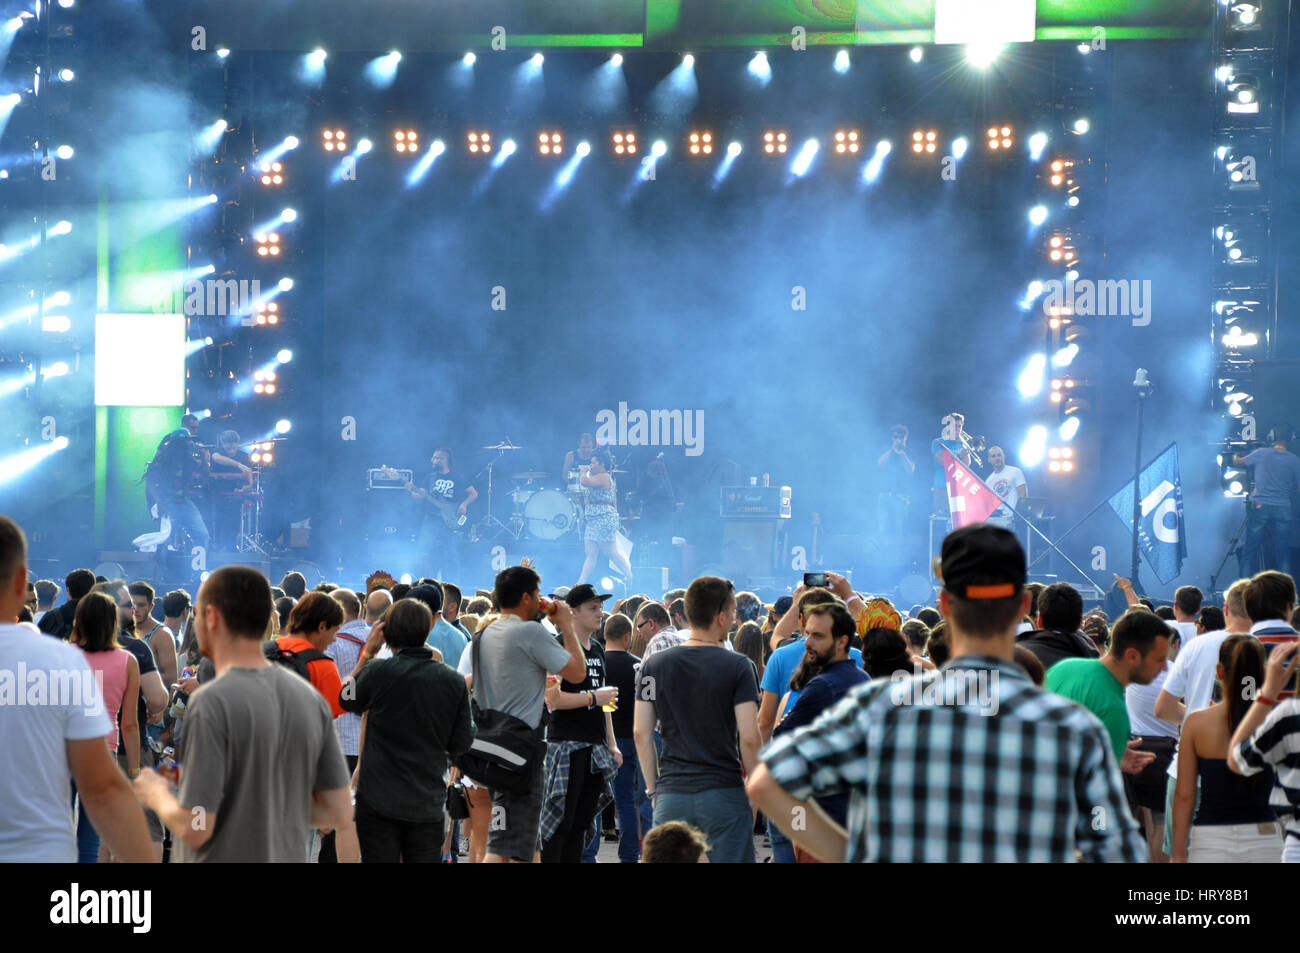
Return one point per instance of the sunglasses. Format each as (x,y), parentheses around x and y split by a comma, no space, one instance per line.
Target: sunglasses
(643,625)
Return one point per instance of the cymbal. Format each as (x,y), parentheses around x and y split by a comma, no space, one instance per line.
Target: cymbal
(503,446)
(618,471)
(529,475)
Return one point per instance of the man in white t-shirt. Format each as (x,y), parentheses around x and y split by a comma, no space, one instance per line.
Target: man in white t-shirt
(1192,679)
(46,745)
(1008,484)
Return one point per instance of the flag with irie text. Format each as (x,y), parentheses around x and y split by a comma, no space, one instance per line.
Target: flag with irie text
(969,498)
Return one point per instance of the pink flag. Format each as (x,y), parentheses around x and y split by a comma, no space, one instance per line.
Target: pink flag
(970,500)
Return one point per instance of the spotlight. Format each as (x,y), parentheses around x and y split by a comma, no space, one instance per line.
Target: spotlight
(999,137)
(282,426)
(915,54)
(468,59)
(1034,448)
(406,140)
(1081,126)
(537,60)
(222,53)
(842,61)
(1037,143)
(734,149)
(624,143)
(285,284)
(64,152)
(688,60)
(1243,92)
(803,161)
(584,149)
(1069,428)
(382,70)
(982,55)
(66,75)
(1244,16)
(508,147)
(775,142)
(846,141)
(267,312)
(701,143)
(550,143)
(272,173)
(334,140)
(616,60)
(659,149)
(284,356)
(924,140)
(317,57)
(267,244)
(62,228)
(959,146)
(871,172)
(364,146)
(57,369)
(289,215)
(56,323)
(1236,338)
(1031,378)
(479,142)
(760,69)
(1038,214)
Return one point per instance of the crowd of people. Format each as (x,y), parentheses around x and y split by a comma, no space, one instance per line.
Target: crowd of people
(381,723)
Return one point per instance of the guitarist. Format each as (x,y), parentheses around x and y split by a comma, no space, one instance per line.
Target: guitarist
(449,496)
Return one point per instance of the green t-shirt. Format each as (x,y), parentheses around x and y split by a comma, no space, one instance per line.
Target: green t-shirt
(1089,683)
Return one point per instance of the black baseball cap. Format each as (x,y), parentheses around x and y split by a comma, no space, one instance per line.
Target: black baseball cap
(585,593)
(982,562)
(431,596)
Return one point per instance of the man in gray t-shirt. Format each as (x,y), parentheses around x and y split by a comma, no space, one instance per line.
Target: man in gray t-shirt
(1277,475)
(514,660)
(262,764)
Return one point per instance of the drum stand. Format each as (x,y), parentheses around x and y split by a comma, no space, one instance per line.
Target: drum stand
(490,527)
(250,520)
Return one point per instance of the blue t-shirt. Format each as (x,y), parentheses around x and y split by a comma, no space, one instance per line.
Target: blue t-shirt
(448,640)
(940,475)
(781,665)
(1275,474)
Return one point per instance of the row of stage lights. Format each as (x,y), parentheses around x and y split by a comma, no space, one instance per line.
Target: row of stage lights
(698,142)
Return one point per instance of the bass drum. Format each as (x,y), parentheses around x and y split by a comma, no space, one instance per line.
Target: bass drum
(549,514)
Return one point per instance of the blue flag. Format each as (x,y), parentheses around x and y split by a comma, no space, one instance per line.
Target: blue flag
(1162,534)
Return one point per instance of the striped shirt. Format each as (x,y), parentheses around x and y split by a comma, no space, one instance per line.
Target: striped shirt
(1273,632)
(1276,744)
(345,650)
(972,762)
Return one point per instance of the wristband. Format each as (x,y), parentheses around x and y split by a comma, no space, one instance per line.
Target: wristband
(132,772)
(592,703)
(1270,702)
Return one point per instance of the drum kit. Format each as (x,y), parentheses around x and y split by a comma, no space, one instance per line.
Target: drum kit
(539,508)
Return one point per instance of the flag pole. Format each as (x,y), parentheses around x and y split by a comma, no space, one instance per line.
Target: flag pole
(1142,387)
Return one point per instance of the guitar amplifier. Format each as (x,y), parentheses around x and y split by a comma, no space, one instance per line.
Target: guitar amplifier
(375,479)
(755,502)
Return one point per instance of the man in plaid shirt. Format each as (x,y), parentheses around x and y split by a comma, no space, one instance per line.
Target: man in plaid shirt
(972,762)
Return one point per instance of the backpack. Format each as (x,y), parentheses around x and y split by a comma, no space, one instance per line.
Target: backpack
(294,661)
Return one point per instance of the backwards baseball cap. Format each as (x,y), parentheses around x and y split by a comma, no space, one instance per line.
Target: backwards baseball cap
(585,593)
(782,605)
(982,562)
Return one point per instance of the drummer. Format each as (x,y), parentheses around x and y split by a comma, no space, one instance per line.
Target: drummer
(226,504)
(578,458)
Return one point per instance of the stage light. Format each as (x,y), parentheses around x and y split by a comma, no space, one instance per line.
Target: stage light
(1034,448)
(66,75)
(774,142)
(982,55)
(959,146)
(284,356)
(210,137)
(64,152)
(607,583)
(266,312)
(1000,137)
(803,161)
(1243,90)
(382,70)
(734,149)
(1081,126)
(1237,339)
(550,143)
(871,171)
(1061,459)
(312,67)
(537,60)
(1072,201)
(222,53)
(1244,16)
(688,61)
(1038,215)
(14,24)
(846,141)
(19,463)
(406,140)
(56,323)
(842,62)
(924,140)
(272,173)
(624,143)
(334,140)
(282,426)
(1084,48)
(1065,355)
(421,168)
(479,143)
(915,54)
(659,149)
(760,69)
(61,228)
(267,244)
(364,146)
(701,143)
(1031,378)
(317,57)
(1069,428)
(584,149)
(285,284)
(508,147)
(468,59)
(616,60)
(57,369)
(1037,143)
(59,298)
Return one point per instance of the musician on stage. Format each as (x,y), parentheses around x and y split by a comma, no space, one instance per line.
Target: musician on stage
(894,469)
(447,497)
(1008,483)
(602,516)
(231,473)
(581,457)
(954,438)
(174,477)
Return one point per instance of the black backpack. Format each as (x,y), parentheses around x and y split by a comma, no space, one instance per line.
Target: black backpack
(294,661)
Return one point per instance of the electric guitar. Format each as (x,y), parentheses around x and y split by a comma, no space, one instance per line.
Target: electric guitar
(451,518)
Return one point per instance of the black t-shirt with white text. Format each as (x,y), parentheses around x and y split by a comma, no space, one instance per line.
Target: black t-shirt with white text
(620,671)
(447,487)
(582,724)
